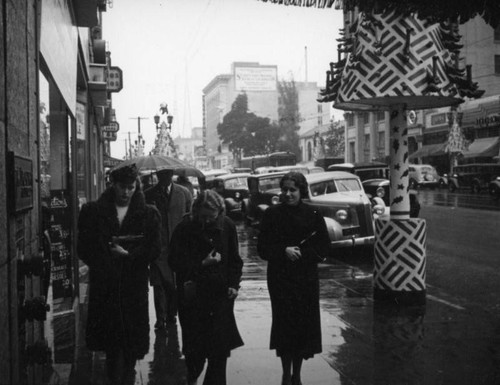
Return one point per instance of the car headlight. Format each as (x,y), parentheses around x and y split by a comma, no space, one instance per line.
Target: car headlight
(378,209)
(237,195)
(341,215)
(380,192)
(275,200)
(455,176)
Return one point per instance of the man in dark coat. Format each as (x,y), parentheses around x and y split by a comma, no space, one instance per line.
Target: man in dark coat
(173,202)
(119,236)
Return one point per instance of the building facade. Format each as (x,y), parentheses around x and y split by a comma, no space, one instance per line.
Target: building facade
(56,81)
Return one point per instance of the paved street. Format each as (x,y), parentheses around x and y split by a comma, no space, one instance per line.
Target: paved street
(455,339)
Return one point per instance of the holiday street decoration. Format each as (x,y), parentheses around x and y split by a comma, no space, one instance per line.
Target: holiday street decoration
(397,56)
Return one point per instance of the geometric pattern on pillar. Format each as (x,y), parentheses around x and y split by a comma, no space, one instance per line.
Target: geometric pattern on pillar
(400,254)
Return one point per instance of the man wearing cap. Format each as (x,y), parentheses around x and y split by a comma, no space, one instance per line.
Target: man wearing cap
(118,238)
(173,202)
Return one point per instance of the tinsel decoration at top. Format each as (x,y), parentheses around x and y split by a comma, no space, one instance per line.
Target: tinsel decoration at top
(435,10)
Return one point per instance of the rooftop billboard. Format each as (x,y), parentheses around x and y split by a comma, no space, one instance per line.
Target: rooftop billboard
(255,78)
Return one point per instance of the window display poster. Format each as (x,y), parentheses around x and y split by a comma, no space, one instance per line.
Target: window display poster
(60,238)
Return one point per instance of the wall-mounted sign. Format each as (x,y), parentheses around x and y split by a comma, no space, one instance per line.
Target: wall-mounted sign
(111,127)
(111,136)
(20,183)
(115,79)
(488,120)
(81,119)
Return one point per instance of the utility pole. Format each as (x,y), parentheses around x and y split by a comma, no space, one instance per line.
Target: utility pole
(140,143)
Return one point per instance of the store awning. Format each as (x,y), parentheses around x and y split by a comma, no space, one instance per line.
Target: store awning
(483,147)
(429,150)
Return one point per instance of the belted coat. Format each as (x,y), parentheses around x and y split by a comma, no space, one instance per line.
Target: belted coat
(118,286)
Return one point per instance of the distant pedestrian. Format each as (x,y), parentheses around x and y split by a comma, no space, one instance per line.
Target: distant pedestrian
(184,181)
(173,202)
(118,237)
(293,239)
(204,254)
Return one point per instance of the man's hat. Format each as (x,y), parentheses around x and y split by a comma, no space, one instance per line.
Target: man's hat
(165,170)
(125,174)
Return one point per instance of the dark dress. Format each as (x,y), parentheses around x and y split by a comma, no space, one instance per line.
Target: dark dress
(118,300)
(293,285)
(208,323)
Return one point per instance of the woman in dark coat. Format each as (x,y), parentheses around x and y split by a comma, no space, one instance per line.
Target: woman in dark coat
(204,255)
(119,235)
(293,239)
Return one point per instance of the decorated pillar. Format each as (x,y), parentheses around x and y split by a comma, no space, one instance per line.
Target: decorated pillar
(398,61)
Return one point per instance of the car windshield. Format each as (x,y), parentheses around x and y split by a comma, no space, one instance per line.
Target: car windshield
(334,185)
(236,183)
(375,173)
(348,185)
(322,188)
(269,183)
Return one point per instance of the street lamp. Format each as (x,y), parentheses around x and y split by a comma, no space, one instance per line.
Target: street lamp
(170,119)
(157,121)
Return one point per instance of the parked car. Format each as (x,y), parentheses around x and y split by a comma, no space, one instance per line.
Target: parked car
(349,214)
(475,177)
(375,179)
(210,175)
(264,190)
(423,175)
(339,196)
(234,189)
(298,168)
(494,188)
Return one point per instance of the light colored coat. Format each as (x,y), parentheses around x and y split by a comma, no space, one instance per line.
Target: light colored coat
(172,209)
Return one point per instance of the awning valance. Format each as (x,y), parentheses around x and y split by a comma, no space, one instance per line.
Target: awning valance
(483,147)
(429,150)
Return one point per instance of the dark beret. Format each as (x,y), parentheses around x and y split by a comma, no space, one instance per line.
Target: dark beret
(125,174)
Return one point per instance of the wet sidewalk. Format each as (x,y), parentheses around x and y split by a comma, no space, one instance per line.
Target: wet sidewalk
(363,343)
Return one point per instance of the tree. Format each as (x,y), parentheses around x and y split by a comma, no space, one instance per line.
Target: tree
(289,117)
(246,133)
(335,140)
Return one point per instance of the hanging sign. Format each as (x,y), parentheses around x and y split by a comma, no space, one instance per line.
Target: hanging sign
(114,79)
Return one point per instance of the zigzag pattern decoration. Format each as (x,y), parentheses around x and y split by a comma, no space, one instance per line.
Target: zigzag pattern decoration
(400,255)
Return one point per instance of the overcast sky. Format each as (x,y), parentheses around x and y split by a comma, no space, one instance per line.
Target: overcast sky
(170,50)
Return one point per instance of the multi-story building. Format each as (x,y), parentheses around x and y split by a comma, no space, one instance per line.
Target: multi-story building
(259,82)
(56,81)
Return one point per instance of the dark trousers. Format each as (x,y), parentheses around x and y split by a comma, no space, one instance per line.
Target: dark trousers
(216,369)
(165,301)
(120,367)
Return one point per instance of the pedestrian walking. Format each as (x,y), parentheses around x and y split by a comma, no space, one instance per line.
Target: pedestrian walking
(293,239)
(205,257)
(118,237)
(173,202)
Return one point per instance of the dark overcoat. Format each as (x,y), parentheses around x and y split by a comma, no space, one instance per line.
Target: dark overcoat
(118,288)
(172,209)
(293,285)
(208,323)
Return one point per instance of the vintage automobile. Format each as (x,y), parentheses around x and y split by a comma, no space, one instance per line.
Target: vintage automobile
(349,213)
(209,176)
(475,177)
(339,196)
(494,188)
(423,175)
(375,179)
(234,189)
(264,190)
